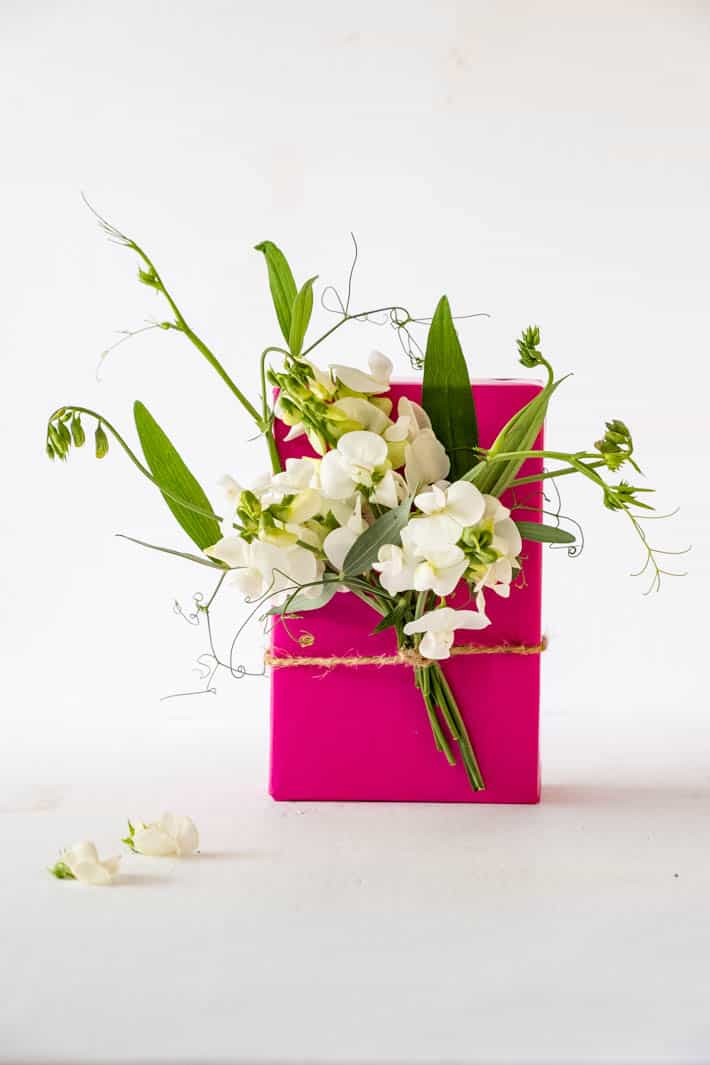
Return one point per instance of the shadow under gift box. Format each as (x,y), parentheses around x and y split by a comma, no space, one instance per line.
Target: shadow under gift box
(361,732)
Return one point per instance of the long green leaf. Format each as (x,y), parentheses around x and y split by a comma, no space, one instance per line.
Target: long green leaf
(544,534)
(300,317)
(171,472)
(201,560)
(446,392)
(519,434)
(281,283)
(386,530)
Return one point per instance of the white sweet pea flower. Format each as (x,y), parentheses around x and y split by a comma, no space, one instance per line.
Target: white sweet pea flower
(359,462)
(396,566)
(498,536)
(338,542)
(441,570)
(258,568)
(170,836)
(446,513)
(82,862)
(439,627)
(372,384)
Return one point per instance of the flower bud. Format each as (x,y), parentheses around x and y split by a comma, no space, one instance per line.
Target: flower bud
(101,442)
(77,432)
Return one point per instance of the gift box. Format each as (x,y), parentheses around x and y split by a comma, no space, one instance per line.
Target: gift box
(360,732)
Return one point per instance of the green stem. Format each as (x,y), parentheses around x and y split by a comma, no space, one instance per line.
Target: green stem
(343,320)
(266,414)
(534,477)
(134,459)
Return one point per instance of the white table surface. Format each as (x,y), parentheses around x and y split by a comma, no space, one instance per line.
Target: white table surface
(575,931)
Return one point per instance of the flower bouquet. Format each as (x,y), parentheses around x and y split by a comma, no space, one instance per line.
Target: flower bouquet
(399,527)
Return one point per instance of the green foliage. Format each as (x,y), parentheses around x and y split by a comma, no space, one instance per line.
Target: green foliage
(172,474)
(300,317)
(281,283)
(386,530)
(544,534)
(446,392)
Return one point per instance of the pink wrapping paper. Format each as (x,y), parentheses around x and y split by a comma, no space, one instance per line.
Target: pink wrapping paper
(362,733)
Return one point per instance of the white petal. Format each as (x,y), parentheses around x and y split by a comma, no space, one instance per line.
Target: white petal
(337,544)
(154,841)
(436,645)
(357,381)
(91,873)
(182,830)
(431,501)
(465,503)
(386,491)
(433,531)
(433,621)
(363,449)
(230,549)
(250,581)
(111,865)
(506,538)
(335,477)
(470,619)
(81,852)
(494,511)
(367,414)
(398,431)
(417,416)
(305,505)
(380,366)
(426,460)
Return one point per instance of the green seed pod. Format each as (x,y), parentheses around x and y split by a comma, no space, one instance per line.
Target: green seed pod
(77,432)
(101,442)
(51,453)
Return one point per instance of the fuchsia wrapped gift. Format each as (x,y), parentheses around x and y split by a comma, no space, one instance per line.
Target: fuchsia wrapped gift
(361,732)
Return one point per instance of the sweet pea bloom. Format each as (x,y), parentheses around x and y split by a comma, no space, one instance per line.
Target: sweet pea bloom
(359,463)
(82,862)
(439,627)
(446,511)
(258,568)
(172,835)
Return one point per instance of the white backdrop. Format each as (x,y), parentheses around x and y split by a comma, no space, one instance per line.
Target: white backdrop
(542,162)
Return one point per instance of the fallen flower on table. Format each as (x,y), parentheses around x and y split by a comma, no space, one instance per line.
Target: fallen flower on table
(171,836)
(81,862)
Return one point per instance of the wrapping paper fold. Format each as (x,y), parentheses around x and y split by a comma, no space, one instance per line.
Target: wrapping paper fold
(361,732)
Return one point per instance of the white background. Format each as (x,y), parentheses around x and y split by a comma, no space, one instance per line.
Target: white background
(543,162)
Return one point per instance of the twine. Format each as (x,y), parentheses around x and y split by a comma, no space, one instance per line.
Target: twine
(405,657)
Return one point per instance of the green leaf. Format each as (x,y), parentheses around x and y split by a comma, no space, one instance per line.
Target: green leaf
(544,534)
(519,434)
(300,317)
(386,530)
(446,392)
(395,617)
(300,603)
(172,474)
(281,283)
(199,559)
